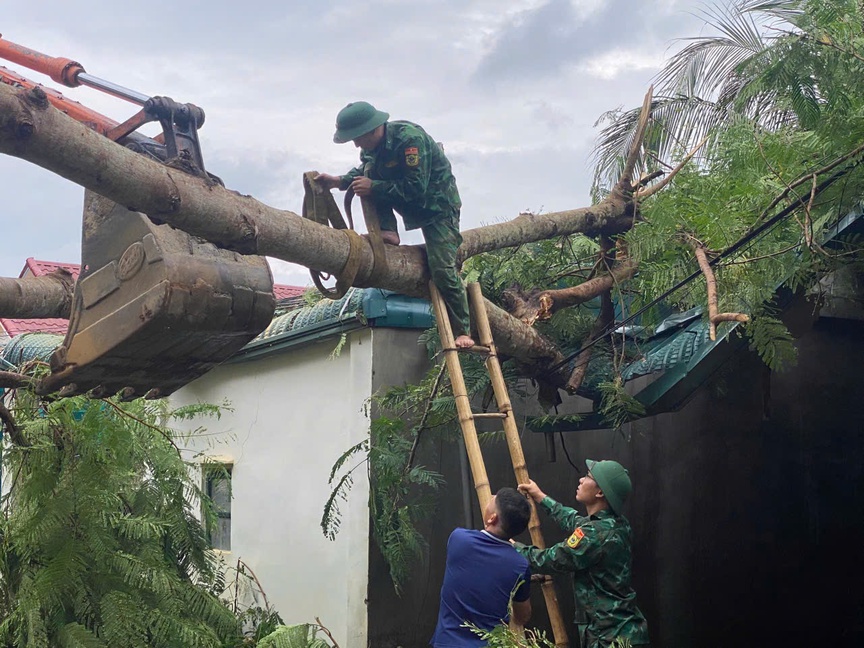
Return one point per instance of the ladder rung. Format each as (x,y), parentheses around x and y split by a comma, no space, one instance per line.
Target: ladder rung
(498,415)
(477,348)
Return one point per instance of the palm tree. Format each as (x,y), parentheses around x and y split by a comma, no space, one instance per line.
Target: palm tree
(770,63)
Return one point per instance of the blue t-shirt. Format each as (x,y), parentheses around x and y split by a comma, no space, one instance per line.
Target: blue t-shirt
(481,573)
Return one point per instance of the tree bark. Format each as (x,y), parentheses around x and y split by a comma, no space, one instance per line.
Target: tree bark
(714,318)
(601,324)
(12,429)
(37,297)
(31,129)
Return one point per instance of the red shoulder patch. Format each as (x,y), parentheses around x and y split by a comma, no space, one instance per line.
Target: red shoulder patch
(412,156)
(574,540)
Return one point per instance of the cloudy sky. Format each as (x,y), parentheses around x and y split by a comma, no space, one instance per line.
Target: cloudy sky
(512,88)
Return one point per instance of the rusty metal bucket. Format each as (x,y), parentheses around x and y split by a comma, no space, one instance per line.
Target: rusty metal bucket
(154,307)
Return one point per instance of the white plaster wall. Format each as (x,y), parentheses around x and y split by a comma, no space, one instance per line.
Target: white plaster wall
(294,413)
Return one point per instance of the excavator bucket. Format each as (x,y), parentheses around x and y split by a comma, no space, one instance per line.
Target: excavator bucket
(154,307)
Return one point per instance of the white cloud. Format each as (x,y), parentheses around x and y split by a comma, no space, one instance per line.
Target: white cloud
(610,65)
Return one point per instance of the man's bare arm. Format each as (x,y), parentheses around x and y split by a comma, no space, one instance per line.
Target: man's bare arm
(521,612)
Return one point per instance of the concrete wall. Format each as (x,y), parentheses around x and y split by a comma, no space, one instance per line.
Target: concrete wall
(746,505)
(746,508)
(293,415)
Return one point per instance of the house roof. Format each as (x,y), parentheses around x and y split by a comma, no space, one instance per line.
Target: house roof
(283,292)
(291,296)
(36,268)
(298,325)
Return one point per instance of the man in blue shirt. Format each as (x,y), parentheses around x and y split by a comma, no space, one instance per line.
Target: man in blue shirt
(483,571)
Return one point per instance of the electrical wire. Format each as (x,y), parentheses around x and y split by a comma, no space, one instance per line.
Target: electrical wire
(567,454)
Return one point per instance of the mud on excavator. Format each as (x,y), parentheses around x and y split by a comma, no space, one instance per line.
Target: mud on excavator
(153,307)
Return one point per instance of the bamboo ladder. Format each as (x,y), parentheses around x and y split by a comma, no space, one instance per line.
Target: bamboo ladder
(505,413)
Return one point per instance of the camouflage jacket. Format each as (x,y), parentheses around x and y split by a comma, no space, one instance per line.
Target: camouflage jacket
(410,174)
(597,553)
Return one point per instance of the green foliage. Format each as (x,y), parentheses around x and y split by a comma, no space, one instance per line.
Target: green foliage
(501,636)
(396,504)
(337,350)
(331,519)
(312,296)
(101,546)
(401,492)
(304,635)
(772,341)
(398,494)
(617,406)
(777,90)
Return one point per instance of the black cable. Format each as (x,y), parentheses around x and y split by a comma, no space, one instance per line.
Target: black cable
(771,222)
(567,454)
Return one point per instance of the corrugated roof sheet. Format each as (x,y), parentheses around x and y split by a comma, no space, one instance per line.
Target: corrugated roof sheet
(677,347)
(30,346)
(325,310)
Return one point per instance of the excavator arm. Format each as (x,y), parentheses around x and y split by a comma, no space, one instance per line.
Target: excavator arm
(154,307)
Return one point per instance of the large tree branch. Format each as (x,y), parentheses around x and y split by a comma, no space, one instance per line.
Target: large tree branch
(604,319)
(624,187)
(714,318)
(541,305)
(12,380)
(37,297)
(33,130)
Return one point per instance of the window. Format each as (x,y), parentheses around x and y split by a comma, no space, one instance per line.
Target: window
(217,486)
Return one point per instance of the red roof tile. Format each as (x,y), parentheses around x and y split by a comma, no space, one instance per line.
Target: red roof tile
(282,291)
(18,326)
(36,268)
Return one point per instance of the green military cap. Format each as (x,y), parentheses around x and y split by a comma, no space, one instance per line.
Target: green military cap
(613,480)
(356,119)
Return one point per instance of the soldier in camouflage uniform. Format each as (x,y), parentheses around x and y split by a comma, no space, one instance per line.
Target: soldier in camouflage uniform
(403,169)
(597,553)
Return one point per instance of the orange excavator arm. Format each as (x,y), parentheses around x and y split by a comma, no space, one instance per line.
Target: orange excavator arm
(154,307)
(87,116)
(63,70)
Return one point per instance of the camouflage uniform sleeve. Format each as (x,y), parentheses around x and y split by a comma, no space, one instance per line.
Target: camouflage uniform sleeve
(566,517)
(413,183)
(580,551)
(346,180)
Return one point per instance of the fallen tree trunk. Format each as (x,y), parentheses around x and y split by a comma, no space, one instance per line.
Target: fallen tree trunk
(31,129)
(37,297)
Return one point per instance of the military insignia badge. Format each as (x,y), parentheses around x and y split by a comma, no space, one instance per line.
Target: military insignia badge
(412,156)
(573,540)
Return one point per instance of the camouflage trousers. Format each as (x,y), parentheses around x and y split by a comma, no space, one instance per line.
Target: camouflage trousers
(442,242)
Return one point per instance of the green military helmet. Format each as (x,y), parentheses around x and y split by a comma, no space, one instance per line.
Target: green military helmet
(613,480)
(356,119)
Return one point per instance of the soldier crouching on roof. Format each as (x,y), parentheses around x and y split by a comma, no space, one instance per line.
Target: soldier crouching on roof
(403,169)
